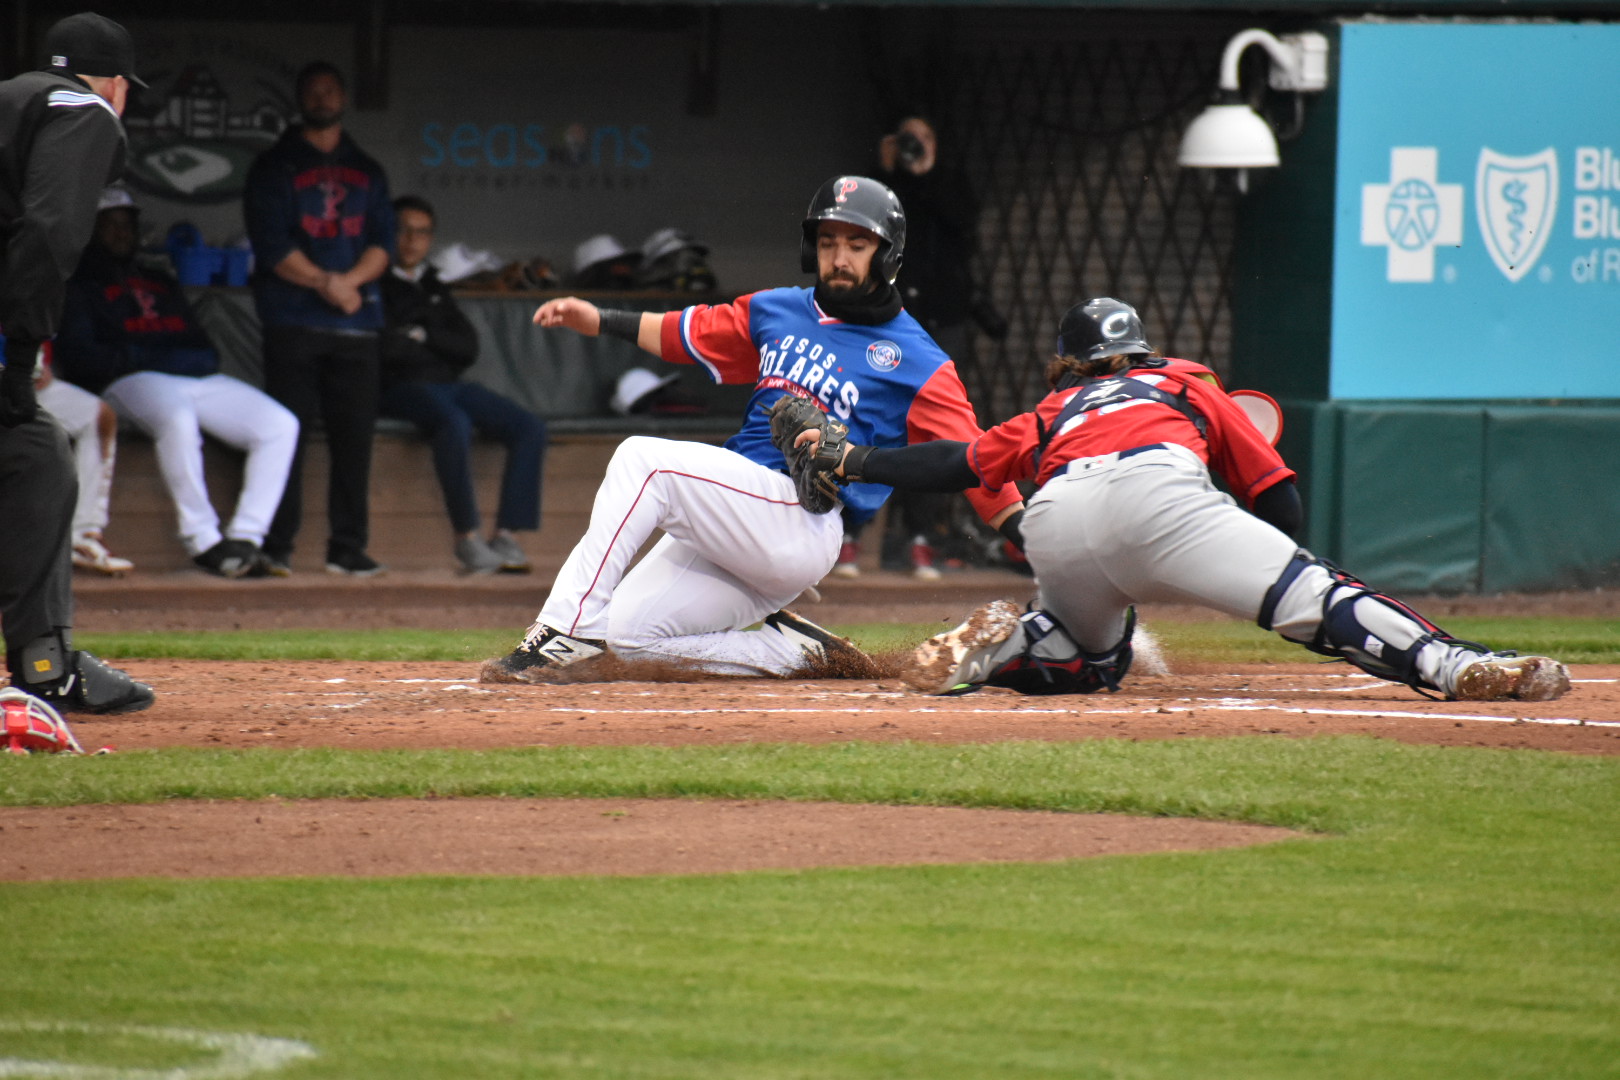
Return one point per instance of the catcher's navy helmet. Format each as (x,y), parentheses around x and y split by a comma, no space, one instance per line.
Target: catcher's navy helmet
(1101,327)
(858,200)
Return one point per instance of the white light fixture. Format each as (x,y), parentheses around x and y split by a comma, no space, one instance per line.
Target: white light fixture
(1231,135)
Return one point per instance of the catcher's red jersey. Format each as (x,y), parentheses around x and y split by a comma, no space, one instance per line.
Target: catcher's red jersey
(1230,444)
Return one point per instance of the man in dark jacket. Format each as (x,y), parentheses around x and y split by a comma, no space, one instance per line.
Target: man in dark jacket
(61,142)
(322,228)
(427,346)
(129,334)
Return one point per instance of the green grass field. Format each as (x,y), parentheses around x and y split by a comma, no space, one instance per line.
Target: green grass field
(1454,913)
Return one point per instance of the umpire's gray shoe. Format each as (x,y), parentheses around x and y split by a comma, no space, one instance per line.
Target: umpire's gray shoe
(839,656)
(962,658)
(542,647)
(1512,678)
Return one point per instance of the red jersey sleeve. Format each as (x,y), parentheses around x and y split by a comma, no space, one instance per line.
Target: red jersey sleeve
(1244,457)
(717,337)
(1006,453)
(940,410)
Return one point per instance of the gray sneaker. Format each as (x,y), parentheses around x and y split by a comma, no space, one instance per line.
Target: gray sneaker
(513,561)
(476,557)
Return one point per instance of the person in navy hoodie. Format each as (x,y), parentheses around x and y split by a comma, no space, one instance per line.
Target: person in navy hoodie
(321,223)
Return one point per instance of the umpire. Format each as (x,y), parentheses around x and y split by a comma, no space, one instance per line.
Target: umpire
(61,142)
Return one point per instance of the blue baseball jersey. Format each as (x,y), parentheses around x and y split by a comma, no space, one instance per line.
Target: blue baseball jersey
(890,383)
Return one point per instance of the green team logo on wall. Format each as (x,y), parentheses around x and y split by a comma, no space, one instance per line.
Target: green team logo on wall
(193,135)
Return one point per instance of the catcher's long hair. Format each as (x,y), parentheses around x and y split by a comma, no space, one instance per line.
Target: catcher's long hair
(1063,367)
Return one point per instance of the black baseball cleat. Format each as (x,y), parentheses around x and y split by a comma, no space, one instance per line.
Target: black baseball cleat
(542,647)
(89,685)
(823,648)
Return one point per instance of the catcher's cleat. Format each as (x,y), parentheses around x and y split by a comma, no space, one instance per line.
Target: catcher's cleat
(1517,678)
(542,647)
(822,646)
(961,659)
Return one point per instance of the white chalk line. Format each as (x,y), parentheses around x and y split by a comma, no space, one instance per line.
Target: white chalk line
(237,1055)
(1199,706)
(1359,682)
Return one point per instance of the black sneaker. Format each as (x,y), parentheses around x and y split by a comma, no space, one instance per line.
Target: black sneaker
(822,647)
(268,565)
(229,558)
(353,564)
(542,647)
(91,686)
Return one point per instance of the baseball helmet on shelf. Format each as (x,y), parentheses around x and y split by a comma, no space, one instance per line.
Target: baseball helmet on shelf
(857,200)
(1101,327)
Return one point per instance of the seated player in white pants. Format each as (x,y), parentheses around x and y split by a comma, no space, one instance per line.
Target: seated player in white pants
(93,427)
(737,542)
(176,411)
(1121,451)
(129,333)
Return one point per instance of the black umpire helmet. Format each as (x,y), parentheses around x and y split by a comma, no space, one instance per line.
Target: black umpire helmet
(858,200)
(1101,327)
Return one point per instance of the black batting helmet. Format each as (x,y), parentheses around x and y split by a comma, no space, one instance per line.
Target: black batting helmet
(857,200)
(1101,327)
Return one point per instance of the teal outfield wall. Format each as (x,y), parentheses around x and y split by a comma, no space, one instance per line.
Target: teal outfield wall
(1431,496)
(1458,497)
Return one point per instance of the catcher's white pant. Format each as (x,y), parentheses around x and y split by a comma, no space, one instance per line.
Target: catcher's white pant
(1151,527)
(737,546)
(175,410)
(78,410)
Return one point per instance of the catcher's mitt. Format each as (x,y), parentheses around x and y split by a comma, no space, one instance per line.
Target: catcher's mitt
(811,466)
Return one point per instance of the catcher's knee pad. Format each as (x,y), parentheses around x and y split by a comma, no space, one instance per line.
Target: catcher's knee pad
(1051,663)
(1353,622)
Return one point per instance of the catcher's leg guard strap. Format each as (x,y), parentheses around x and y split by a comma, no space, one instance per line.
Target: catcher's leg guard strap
(1285,580)
(1332,613)
(1052,664)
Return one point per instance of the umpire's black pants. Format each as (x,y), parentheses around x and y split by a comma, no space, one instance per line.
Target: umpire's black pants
(328,379)
(38,487)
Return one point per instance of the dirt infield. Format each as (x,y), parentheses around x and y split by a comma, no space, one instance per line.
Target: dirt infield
(400,705)
(441,705)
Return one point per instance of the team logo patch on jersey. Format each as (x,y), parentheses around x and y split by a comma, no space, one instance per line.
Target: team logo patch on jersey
(883,355)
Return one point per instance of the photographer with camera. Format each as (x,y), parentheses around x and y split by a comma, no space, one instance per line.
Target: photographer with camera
(938,290)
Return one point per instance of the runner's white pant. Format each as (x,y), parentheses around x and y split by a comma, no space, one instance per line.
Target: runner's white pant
(737,546)
(1151,527)
(78,410)
(176,410)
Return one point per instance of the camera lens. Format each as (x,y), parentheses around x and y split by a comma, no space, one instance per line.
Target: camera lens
(908,147)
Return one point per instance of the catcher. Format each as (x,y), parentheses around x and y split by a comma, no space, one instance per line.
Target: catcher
(743,537)
(1121,451)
